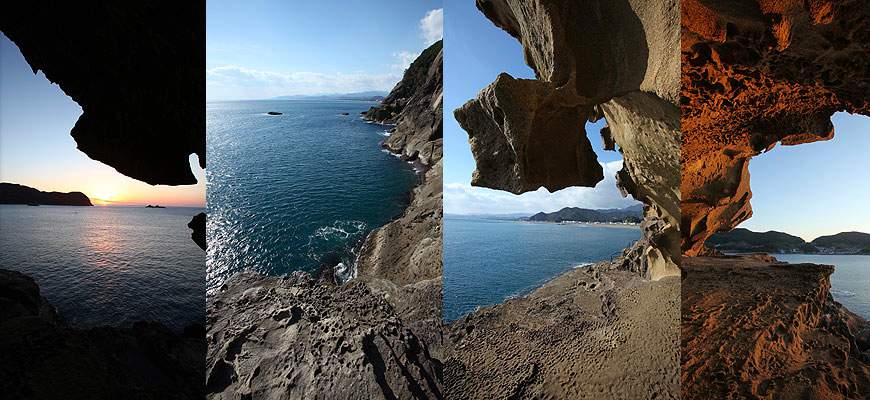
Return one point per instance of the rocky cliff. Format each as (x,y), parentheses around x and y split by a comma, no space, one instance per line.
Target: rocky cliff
(620,64)
(378,336)
(45,359)
(579,335)
(754,74)
(402,259)
(137,69)
(11,193)
(755,328)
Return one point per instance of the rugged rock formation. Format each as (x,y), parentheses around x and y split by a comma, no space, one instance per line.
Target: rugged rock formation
(586,334)
(45,359)
(197,225)
(11,193)
(402,259)
(621,63)
(754,328)
(755,73)
(107,57)
(297,338)
(415,107)
(378,336)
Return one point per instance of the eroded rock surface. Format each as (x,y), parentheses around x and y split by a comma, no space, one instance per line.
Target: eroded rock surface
(621,64)
(298,338)
(138,74)
(754,74)
(42,358)
(755,328)
(586,334)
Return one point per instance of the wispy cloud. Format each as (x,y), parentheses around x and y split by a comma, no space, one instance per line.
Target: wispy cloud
(237,82)
(462,198)
(432,26)
(404,60)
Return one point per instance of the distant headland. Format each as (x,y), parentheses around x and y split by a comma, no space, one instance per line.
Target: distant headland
(633,214)
(11,193)
(742,240)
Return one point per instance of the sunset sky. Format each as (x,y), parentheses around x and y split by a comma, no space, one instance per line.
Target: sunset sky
(37,150)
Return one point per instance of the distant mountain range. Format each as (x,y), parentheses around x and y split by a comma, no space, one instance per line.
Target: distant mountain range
(372,95)
(633,214)
(742,240)
(11,193)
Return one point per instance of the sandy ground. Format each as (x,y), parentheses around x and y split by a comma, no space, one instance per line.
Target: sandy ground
(591,333)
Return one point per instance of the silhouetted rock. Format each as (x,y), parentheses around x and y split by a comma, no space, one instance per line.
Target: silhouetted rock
(197,224)
(11,193)
(45,359)
(137,70)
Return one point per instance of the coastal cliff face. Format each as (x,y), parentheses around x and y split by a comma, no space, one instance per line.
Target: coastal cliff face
(11,193)
(377,336)
(402,259)
(756,73)
(138,74)
(755,328)
(621,64)
(45,359)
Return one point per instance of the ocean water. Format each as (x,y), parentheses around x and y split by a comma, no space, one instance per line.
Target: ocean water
(109,266)
(487,261)
(850,283)
(296,191)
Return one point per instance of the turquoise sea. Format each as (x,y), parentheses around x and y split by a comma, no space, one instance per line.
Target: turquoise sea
(297,191)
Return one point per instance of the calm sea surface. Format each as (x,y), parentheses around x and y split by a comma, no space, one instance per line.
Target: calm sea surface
(296,191)
(850,283)
(109,266)
(487,261)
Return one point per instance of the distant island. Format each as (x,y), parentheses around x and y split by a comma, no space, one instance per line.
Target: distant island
(11,193)
(742,240)
(154,206)
(628,215)
(274,113)
(372,95)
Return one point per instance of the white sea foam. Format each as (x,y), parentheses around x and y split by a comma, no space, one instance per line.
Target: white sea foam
(581,265)
(842,293)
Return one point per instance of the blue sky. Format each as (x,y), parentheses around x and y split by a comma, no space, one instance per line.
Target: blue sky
(815,189)
(262,49)
(475,52)
(37,150)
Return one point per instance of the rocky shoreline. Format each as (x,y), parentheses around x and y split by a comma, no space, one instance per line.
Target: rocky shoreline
(758,328)
(377,336)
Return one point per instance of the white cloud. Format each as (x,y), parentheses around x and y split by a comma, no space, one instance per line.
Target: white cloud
(432,26)
(403,60)
(237,82)
(461,198)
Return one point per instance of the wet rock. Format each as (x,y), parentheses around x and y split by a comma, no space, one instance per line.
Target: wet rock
(106,67)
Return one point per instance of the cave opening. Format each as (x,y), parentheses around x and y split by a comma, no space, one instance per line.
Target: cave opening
(810,202)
